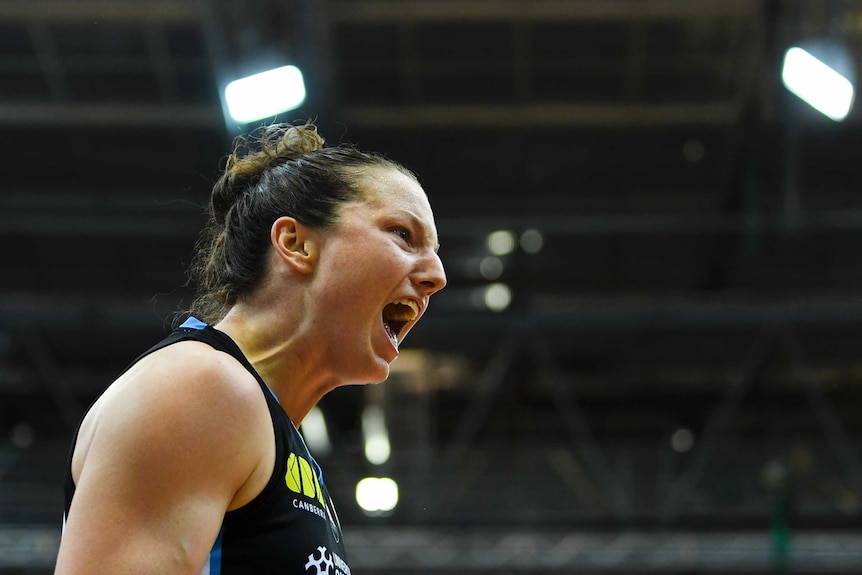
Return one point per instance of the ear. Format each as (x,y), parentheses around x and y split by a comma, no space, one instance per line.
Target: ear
(294,243)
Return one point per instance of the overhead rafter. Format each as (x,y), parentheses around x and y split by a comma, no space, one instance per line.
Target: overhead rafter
(566,114)
(536,10)
(99,10)
(108,114)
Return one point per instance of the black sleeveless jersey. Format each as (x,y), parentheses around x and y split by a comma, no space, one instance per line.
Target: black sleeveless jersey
(291,526)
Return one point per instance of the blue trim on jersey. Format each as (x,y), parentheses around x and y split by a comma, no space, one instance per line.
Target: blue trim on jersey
(215,554)
(193,323)
(313,461)
(302,439)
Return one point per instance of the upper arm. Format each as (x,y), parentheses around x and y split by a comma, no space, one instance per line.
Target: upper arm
(165,452)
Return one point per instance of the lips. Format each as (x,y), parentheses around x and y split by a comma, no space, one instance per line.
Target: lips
(396,316)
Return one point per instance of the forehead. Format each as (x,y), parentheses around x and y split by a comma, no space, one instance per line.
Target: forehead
(391,190)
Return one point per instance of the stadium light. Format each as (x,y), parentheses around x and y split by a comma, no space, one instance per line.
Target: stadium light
(377,495)
(377,446)
(315,432)
(821,73)
(265,94)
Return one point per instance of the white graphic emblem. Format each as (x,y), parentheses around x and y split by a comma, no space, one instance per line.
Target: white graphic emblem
(321,565)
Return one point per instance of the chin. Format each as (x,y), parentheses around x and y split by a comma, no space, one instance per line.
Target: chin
(377,373)
(381,375)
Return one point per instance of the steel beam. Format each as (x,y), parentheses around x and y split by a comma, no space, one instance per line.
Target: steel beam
(715,430)
(838,439)
(542,114)
(447,550)
(60,391)
(110,114)
(374,11)
(574,421)
(99,11)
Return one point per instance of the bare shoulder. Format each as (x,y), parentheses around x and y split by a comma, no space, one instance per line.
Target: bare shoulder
(179,439)
(192,370)
(187,402)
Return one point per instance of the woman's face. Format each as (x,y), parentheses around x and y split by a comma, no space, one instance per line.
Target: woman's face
(377,268)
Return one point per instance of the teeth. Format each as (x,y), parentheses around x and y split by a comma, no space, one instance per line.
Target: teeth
(412,305)
(402,310)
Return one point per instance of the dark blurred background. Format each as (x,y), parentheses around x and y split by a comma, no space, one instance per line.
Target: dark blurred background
(668,377)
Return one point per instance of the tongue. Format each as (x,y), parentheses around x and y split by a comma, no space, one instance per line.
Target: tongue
(392,337)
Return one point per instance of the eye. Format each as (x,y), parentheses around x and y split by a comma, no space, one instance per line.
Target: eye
(402,233)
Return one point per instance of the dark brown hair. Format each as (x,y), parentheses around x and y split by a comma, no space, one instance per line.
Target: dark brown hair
(282,170)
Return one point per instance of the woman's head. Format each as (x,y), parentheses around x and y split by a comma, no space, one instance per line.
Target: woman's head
(284,170)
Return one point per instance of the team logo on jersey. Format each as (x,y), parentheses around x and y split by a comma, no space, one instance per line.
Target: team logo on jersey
(325,562)
(301,478)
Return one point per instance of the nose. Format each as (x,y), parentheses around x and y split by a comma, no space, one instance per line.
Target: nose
(431,276)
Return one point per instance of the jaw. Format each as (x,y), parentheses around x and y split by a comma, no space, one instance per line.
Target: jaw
(383,336)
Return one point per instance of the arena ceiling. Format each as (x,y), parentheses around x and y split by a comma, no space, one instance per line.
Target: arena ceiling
(701,260)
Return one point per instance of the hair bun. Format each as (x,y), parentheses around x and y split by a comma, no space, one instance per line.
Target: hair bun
(268,146)
(295,140)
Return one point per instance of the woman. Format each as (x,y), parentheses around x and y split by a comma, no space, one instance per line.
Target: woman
(315,264)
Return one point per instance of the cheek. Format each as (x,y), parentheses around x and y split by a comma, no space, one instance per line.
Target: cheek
(351,276)
(389,263)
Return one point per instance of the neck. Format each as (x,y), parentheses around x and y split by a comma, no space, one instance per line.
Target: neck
(282,355)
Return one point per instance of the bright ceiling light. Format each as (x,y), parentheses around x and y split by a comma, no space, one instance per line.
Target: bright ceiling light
(377,446)
(265,94)
(682,440)
(491,267)
(315,432)
(376,495)
(532,241)
(823,81)
(501,242)
(498,296)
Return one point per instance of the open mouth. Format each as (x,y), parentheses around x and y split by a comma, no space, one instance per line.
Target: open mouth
(397,315)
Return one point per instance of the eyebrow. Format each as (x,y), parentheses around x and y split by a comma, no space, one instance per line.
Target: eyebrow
(417,223)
